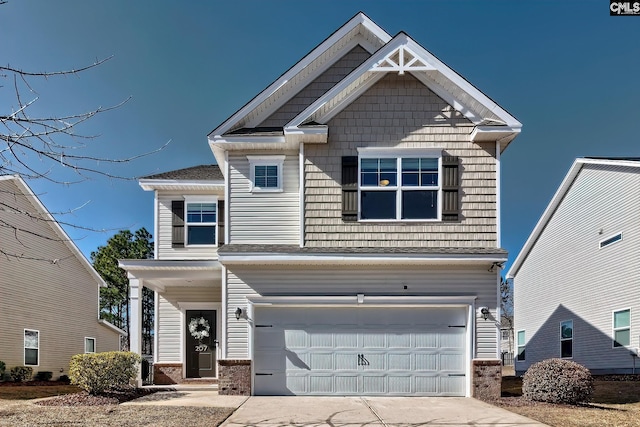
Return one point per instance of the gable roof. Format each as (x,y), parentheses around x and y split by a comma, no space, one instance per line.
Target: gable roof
(399,54)
(53,224)
(557,198)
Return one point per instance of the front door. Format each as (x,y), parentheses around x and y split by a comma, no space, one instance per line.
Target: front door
(201,343)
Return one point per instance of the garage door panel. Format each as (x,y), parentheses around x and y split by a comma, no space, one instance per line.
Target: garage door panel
(347,351)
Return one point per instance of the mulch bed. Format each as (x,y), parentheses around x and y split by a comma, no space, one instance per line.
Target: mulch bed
(106,398)
(32,383)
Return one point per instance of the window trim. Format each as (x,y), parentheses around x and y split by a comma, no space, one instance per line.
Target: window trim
(605,244)
(567,339)
(200,199)
(85,345)
(518,345)
(614,329)
(24,347)
(399,154)
(277,161)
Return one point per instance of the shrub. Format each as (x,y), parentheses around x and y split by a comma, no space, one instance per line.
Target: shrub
(3,367)
(43,376)
(99,372)
(557,381)
(21,373)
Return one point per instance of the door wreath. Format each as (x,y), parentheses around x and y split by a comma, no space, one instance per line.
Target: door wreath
(199,328)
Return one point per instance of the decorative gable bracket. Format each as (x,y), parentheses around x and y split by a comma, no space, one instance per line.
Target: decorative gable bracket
(401,59)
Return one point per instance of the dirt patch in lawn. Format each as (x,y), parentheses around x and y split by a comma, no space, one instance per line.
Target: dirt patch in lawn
(614,403)
(21,391)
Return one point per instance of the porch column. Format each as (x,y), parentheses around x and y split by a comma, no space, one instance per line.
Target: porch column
(135,319)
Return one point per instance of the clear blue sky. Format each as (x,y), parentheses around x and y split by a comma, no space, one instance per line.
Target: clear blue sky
(567,70)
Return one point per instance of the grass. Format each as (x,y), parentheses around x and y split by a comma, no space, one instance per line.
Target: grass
(614,403)
(24,392)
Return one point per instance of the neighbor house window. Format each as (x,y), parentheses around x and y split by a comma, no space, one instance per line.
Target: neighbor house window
(31,347)
(201,221)
(505,334)
(622,328)
(521,346)
(266,173)
(89,345)
(611,240)
(566,338)
(400,186)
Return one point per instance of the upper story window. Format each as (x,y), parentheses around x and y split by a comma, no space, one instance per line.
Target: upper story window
(201,221)
(399,185)
(266,173)
(31,347)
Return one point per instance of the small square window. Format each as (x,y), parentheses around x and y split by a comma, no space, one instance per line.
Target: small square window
(89,345)
(266,173)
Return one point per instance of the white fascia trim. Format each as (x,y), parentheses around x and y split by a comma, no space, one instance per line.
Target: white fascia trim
(369,301)
(498,131)
(249,258)
(154,184)
(154,264)
(557,198)
(311,130)
(359,19)
(112,327)
(55,226)
(220,140)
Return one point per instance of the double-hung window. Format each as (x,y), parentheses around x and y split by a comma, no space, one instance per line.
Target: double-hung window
(622,328)
(400,185)
(521,346)
(201,221)
(566,338)
(266,173)
(31,347)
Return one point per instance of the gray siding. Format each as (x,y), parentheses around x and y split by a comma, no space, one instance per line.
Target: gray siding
(60,300)
(318,87)
(399,111)
(163,239)
(264,217)
(351,280)
(169,318)
(567,277)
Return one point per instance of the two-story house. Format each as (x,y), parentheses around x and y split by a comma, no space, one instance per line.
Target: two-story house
(348,242)
(49,292)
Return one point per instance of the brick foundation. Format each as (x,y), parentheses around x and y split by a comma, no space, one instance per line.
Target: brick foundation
(486,379)
(234,377)
(167,373)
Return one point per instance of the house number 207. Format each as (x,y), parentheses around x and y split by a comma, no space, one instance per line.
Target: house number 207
(202,347)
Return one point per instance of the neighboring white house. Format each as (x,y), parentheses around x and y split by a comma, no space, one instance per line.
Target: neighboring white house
(576,280)
(349,241)
(49,293)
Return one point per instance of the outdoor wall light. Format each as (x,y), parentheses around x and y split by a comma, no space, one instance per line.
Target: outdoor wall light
(485,312)
(238,313)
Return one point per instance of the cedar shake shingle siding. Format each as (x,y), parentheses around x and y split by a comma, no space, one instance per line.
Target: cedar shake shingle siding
(317,88)
(399,111)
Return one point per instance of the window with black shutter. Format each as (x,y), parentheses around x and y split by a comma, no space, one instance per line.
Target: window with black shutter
(177,224)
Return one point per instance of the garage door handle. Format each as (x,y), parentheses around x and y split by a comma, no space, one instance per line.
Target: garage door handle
(260,373)
(456,326)
(456,375)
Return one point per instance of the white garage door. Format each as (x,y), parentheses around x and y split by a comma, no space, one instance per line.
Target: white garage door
(360,351)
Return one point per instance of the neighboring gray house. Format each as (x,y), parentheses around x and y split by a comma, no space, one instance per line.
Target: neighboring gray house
(576,279)
(49,292)
(349,241)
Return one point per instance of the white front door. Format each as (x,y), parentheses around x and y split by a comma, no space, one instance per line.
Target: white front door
(360,351)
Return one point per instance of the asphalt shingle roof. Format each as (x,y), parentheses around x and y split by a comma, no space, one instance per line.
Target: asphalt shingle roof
(196,173)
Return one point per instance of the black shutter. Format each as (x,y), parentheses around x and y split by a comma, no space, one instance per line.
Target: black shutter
(177,223)
(450,184)
(350,188)
(220,222)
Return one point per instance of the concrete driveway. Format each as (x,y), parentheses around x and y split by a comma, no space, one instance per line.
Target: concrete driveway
(372,411)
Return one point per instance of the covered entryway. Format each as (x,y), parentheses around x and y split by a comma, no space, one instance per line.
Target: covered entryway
(360,350)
